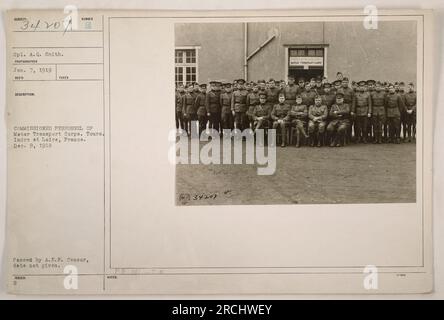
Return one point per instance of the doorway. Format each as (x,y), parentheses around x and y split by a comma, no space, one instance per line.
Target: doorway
(306,62)
(306,74)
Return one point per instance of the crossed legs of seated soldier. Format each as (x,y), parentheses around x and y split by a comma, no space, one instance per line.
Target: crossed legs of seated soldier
(300,130)
(282,126)
(316,131)
(338,130)
(261,124)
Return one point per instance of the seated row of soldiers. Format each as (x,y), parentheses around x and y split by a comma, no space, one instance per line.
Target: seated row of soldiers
(318,110)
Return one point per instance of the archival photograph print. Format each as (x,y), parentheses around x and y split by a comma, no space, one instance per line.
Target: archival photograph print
(295,112)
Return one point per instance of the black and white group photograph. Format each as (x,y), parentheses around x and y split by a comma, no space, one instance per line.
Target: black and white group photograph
(340,98)
(223,151)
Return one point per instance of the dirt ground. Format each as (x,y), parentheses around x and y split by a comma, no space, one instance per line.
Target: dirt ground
(356,173)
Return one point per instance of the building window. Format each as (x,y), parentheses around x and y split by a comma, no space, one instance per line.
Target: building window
(306,52)
(186,66)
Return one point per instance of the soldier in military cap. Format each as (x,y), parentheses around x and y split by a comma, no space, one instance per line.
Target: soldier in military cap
(200,107)
(179,106)
(347,91)
(340,121)
(401,92)
(385,88)
(371,86)
(298,118)
(189,110)
(301,85)
(280,116)
(324,80)
(308,95)
(337,86)
(313,83)
(196,90)
(239,105)
(318,86)
(349,94)
(378,112)
(317,115)
(329,97)
(354,86)
(290,91)
(227,121)
(272,93)
(370,89)
(247,86)
(394,106)
(252,101)
(261,113)
(339,76)
(362,108)
(262,86)
(410,110)
(401,87)
(212,105)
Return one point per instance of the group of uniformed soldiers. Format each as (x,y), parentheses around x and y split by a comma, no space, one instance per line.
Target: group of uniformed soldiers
(321,112)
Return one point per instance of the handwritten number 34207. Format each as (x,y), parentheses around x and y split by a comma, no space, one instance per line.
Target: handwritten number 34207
(40,24)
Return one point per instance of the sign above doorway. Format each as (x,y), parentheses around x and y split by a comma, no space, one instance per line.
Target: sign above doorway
(306,62)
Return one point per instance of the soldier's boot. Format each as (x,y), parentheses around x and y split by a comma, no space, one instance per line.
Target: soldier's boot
(340,140)
(298,139)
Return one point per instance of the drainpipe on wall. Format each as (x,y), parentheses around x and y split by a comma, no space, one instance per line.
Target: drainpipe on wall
(245,51)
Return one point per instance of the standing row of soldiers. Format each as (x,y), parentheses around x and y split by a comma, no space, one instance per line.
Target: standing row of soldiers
(325,113)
